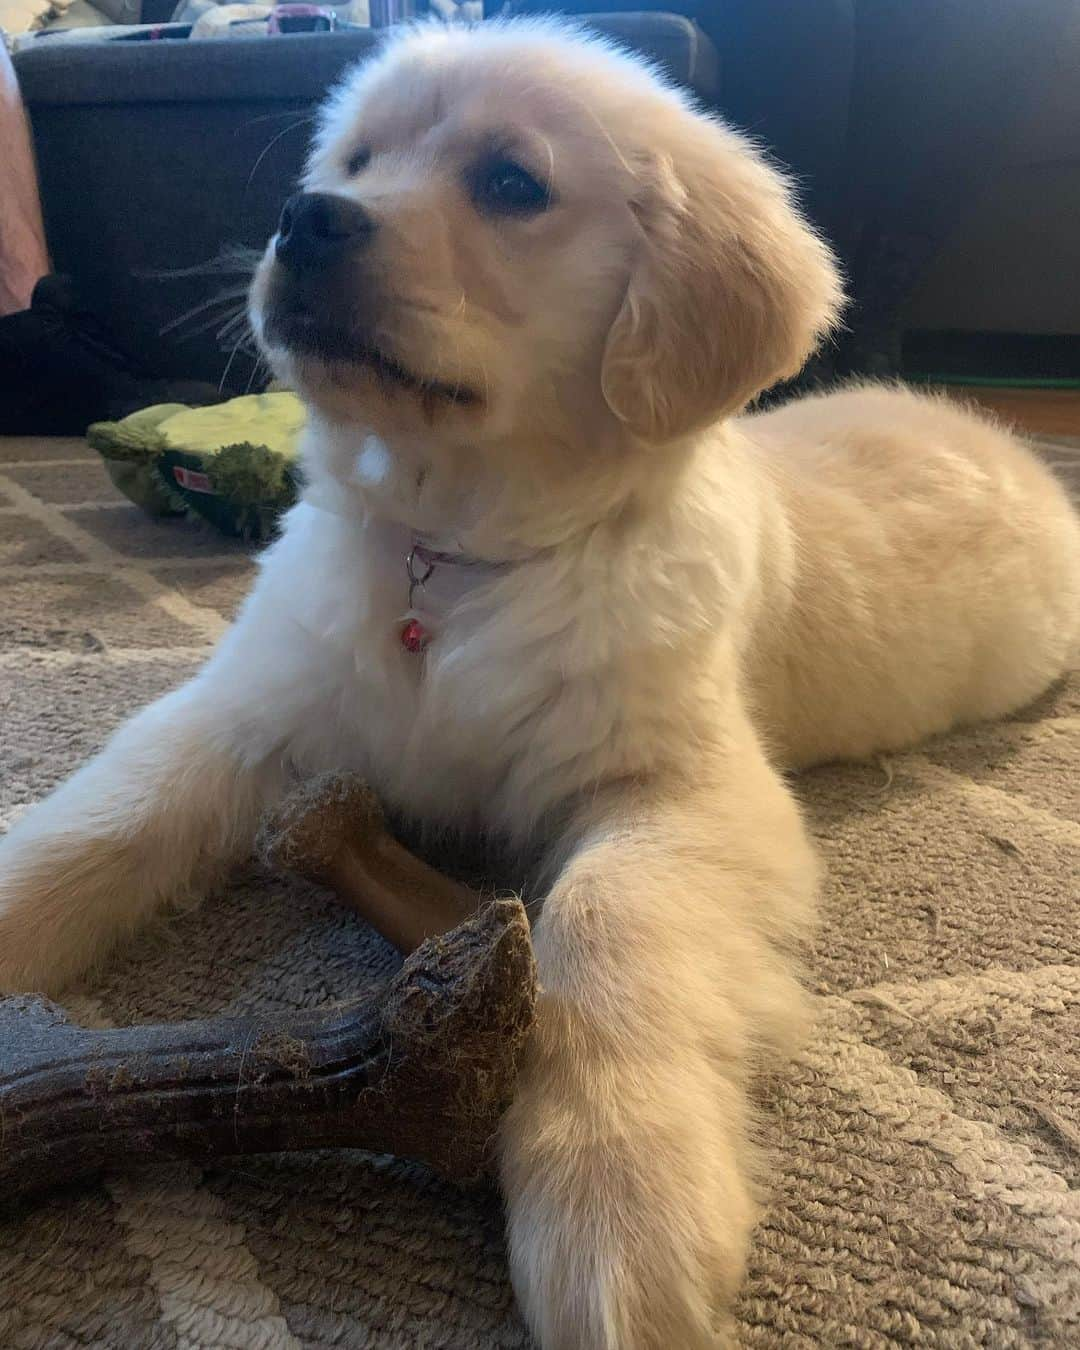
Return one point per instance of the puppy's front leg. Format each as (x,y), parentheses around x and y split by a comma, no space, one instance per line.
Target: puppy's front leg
(665,955)
(171,799)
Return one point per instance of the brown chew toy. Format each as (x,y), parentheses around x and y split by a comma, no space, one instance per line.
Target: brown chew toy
(423,1068)
(331,830)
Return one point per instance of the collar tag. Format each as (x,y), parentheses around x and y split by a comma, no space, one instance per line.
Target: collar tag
(414,636)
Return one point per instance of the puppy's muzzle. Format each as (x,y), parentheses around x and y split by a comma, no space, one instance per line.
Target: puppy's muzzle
(319,229)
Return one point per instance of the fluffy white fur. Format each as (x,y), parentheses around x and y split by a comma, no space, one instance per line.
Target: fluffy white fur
(687,598)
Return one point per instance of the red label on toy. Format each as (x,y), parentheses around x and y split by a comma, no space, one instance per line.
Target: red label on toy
(194,482)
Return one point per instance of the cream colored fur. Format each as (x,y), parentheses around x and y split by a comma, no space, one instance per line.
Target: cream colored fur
(687,600)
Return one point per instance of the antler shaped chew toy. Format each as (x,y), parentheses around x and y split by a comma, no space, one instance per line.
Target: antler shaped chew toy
(423,1067)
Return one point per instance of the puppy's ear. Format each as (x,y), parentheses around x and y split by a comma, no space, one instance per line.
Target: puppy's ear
(729,293)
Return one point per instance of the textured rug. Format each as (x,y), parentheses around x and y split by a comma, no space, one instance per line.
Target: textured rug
(927,1142)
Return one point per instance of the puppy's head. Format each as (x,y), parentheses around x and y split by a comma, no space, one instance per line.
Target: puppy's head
(518,237)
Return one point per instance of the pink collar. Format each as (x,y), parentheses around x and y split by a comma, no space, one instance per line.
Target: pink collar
(420,564)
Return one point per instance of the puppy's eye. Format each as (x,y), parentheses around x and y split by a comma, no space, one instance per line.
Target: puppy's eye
(504,188)
(358,160)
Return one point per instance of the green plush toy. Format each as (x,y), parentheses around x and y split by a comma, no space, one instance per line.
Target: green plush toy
(233,463)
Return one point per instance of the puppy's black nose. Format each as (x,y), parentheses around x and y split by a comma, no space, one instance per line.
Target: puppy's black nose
(317,228)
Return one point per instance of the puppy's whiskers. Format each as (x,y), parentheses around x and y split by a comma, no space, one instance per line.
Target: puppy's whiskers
(232,260)
(228,364)
(226,311)
(549,150)
(300,122)
(228,297)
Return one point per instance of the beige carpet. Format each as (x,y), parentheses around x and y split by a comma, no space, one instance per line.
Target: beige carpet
(927,1143)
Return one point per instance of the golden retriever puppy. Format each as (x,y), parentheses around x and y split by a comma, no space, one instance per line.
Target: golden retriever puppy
(547,582)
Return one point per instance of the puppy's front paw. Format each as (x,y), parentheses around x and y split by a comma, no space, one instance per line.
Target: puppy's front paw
(58,903)
(628,1221)
(32,953)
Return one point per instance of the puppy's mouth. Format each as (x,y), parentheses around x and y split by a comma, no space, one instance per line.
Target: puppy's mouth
(304,333)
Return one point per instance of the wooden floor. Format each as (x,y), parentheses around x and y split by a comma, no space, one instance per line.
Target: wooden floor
(1049,412)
